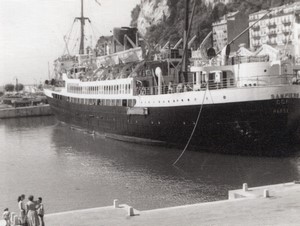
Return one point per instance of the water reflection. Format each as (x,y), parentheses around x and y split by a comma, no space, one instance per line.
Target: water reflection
(74,170)
(147,171)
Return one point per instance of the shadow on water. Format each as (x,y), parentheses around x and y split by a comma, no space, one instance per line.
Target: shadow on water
(72,169)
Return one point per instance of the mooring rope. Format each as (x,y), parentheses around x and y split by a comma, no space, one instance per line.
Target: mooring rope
(192,134)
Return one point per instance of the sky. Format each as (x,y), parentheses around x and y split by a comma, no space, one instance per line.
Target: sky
(32,33)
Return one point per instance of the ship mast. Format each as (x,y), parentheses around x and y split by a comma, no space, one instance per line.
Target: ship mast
(82,23)
(185,42)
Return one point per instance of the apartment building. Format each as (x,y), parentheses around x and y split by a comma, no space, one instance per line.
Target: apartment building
(279,27)
(228,28)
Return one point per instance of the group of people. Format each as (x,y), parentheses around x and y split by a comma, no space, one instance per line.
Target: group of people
(31,213)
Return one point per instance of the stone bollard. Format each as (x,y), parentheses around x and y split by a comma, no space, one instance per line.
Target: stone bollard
(266,193)
(12,215)
(116,203)
(15,220)
(130,211)
(245,187)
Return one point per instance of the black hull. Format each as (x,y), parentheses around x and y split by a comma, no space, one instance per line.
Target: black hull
(256,127)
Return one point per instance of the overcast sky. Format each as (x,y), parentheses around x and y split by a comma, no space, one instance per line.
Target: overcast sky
(32,31)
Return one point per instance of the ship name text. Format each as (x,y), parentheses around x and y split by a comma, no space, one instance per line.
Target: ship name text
(285,95)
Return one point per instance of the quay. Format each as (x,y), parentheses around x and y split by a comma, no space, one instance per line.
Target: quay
(29,111)
(268,205)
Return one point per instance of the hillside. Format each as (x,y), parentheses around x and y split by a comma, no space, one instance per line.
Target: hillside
(164,19)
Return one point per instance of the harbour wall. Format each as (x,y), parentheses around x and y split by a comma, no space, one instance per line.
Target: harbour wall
(268,205)
(40,110)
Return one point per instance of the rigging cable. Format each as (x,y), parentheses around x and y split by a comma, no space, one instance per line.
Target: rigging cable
(192,134)
(67,37)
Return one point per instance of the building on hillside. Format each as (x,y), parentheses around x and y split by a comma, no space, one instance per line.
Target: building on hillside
(228,28)
(214,2)
(280,28)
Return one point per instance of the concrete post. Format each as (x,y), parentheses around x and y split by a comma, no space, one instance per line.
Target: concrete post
(130,211)
(245,187)
(116,203)
(15,220)
(266,193)
(12,215)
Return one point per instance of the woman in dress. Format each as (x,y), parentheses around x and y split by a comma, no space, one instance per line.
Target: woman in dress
(32,216)
(22,209)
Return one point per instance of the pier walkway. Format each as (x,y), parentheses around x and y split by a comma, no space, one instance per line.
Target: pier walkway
(268,205)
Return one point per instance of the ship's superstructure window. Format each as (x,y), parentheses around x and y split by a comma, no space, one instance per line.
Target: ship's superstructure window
(100,89)
(101,102)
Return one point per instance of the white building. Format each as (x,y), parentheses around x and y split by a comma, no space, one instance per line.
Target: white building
(279,28)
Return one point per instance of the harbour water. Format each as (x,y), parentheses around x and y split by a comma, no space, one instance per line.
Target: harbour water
(72,169)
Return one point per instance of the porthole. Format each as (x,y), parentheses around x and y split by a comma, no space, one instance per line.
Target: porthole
(188,99)
(224,97)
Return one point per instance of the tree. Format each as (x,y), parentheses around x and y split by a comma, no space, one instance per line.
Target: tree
(19,87)
(9,87)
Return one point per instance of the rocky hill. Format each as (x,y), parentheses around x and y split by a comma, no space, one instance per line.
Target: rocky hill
(162,20)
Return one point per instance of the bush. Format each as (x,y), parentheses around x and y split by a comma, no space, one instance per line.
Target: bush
(9,87)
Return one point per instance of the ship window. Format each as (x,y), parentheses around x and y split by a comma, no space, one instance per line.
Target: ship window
(124,103)
(130,103)
(113,102)
(118,102)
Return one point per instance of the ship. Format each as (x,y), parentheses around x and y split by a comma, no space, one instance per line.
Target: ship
(229,104)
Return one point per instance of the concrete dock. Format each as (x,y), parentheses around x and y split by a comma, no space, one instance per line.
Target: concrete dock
(30,111)
(268,205)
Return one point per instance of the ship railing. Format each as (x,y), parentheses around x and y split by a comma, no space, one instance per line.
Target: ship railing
(277,80)
(245,82)
(230,61)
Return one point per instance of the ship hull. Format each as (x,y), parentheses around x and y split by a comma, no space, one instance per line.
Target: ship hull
(262,127)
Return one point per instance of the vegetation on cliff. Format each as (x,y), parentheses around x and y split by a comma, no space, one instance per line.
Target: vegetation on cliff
(171,29)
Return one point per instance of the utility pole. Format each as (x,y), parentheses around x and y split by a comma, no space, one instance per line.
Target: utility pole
(48,71)
(17,85)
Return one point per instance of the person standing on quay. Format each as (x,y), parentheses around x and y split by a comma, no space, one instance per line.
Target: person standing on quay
(22,209)
(41,211)
(6,216)
(32,216)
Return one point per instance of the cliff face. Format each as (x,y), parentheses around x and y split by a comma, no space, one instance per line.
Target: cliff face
(151,12)
(160,21)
